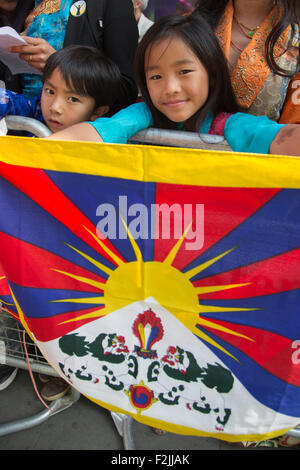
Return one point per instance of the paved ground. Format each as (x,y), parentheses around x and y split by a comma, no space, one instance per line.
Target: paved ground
(85,426)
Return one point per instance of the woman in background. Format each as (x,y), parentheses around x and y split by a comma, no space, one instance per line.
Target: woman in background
(260,39)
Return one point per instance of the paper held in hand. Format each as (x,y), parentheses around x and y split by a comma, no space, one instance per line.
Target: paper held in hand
(9,37)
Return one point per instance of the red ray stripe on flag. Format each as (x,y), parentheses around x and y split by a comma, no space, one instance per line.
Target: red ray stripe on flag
(271,351)
(277,274)
(224,210)
(38,186)
(36,268)
(47,329)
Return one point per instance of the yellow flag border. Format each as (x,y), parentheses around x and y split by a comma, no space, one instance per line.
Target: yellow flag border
(153,163)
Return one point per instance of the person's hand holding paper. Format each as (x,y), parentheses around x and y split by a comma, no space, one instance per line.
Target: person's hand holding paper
(35,52)
(10,38)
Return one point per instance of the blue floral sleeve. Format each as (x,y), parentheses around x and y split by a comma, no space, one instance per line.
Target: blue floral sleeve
(15,104)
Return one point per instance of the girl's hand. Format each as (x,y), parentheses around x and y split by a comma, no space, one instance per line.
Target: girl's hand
(35,53)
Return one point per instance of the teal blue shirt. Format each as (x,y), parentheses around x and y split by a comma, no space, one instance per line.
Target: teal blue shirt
(243,132)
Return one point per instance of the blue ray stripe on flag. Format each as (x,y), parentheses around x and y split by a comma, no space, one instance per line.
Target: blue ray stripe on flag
(97,190)
(38,303)
(42,229)
(278,313)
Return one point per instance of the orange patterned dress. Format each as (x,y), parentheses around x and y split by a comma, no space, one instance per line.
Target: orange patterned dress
(257,89)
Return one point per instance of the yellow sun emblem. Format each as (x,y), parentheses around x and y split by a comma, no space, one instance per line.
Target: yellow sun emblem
(138,280)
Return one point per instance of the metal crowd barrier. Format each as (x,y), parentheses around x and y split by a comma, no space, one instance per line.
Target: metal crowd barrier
(148,136)
(38,364)
(14,345)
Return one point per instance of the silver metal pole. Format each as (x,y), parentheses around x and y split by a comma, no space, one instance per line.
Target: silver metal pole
(124,424)
(55,407)
(174,138)
(21,123)
(35,366)
(294,432)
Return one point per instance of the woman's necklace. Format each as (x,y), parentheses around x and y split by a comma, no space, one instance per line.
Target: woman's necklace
(250,31)
(237,48)
(241,27)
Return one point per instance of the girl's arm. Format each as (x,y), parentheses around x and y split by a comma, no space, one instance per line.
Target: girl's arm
(83,132)
(244,132)
(117,129)
(287,141)
(258,134)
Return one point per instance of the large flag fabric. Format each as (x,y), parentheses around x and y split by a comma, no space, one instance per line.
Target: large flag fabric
(161,283)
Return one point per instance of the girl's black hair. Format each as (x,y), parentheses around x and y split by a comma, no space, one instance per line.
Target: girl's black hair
(213,11)
(200,38)
(87,71)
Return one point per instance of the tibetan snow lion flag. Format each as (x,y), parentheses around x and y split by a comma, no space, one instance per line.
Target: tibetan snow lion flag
(161,283)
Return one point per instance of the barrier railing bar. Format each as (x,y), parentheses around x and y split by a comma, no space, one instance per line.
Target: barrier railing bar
(149,136)
(21,123)
(183,139)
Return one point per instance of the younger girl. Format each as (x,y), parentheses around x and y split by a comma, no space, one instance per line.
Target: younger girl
(183,77)
(79,84)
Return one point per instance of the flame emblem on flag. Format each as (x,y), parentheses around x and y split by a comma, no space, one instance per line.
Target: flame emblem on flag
(148,329)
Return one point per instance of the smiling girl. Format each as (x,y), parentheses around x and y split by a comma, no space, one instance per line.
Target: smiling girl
(183,77)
